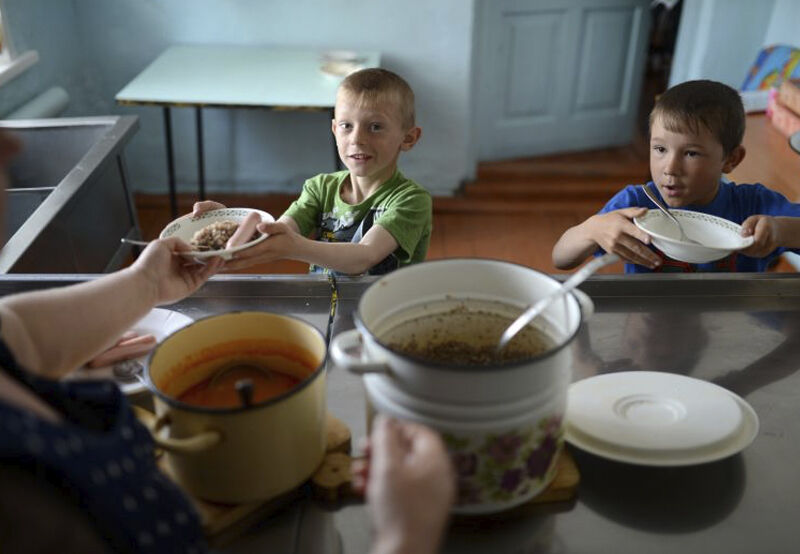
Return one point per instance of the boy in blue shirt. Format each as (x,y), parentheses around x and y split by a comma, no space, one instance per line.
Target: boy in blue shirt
(368,218)
(696,131)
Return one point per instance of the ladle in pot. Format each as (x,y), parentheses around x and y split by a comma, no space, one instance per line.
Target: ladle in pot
(528,315)
(244,386)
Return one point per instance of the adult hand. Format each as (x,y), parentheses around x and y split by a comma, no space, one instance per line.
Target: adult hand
(173,277)
(281,243)
(615,232)
(410,486)
(766,233)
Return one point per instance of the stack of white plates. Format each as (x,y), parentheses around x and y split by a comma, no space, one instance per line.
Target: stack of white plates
(658,419)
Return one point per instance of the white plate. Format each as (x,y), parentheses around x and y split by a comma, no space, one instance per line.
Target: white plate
(719,237)
(186,226)
(343,56)
(660,436)
(159,322)
(340,68)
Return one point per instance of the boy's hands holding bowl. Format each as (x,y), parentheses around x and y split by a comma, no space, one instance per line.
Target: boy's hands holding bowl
(282,241)
(769,233)
(204,206)
(615,232)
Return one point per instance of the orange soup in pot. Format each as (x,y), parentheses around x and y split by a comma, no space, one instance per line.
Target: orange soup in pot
(220,392)
(272,367)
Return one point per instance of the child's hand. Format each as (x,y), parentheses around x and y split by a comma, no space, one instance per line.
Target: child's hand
(766,233)
(279,245)
(200,208)
(615,232)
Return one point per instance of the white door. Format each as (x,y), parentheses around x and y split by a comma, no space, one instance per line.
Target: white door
(557,75)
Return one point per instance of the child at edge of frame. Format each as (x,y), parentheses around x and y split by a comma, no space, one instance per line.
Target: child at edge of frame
(696,132)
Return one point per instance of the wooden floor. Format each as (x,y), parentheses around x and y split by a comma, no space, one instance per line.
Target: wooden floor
(515,210)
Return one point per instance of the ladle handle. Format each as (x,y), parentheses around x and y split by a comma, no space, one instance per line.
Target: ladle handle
(245,389)
(579,277)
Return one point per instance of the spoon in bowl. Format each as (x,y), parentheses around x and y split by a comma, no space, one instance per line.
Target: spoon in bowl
(528,315)
(654,199)
(136,242)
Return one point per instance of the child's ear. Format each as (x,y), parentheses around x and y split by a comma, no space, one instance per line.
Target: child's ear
(410,138)
(733,159)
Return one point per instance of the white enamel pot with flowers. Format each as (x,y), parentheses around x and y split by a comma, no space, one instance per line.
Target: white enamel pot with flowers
(502,422)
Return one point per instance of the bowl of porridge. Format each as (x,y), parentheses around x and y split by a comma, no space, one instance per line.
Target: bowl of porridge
(210,233)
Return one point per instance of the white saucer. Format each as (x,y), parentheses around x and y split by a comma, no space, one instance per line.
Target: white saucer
(159,322)
(659,419)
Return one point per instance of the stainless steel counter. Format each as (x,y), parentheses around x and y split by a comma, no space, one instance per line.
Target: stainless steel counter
(69,200)
(738,331)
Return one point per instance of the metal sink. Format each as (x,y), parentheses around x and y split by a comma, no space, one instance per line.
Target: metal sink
(69,201)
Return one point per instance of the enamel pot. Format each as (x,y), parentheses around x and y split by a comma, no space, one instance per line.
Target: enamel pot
(253,451)
(417,288)
(503,455)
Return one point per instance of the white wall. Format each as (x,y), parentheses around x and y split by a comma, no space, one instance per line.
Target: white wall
(719,39)
(784,26)
(427,42)
(47,27)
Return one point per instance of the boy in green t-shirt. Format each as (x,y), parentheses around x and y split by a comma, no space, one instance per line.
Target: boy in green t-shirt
(368,218)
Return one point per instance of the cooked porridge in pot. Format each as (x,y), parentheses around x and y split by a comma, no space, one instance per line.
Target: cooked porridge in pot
(464,335)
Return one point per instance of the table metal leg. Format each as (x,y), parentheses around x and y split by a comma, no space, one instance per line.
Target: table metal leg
(173,201)
(336,160)
(201,167)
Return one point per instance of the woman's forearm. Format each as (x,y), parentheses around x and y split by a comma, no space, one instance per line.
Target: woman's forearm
(53,331)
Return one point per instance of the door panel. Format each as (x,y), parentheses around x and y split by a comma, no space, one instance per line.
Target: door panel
(557,76)
(531,40)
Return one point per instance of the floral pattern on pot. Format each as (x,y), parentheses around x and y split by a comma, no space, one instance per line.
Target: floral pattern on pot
(498,468)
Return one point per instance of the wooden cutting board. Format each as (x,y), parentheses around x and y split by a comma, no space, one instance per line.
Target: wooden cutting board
(222,522)
(331,485)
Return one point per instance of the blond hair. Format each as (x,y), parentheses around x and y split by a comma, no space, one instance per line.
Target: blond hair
(375,85)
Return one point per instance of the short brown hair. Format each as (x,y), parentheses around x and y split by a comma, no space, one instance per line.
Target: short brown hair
(714,105)
(376,84)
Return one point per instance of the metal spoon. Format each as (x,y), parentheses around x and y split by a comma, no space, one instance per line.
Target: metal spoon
(654,199)
(136,242)
(528,315)
(127,371)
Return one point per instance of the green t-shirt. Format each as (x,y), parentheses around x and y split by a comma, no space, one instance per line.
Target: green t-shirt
(400,206)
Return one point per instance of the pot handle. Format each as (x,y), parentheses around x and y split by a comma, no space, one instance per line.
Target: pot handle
(587,306)
(347,351)
(188,445)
